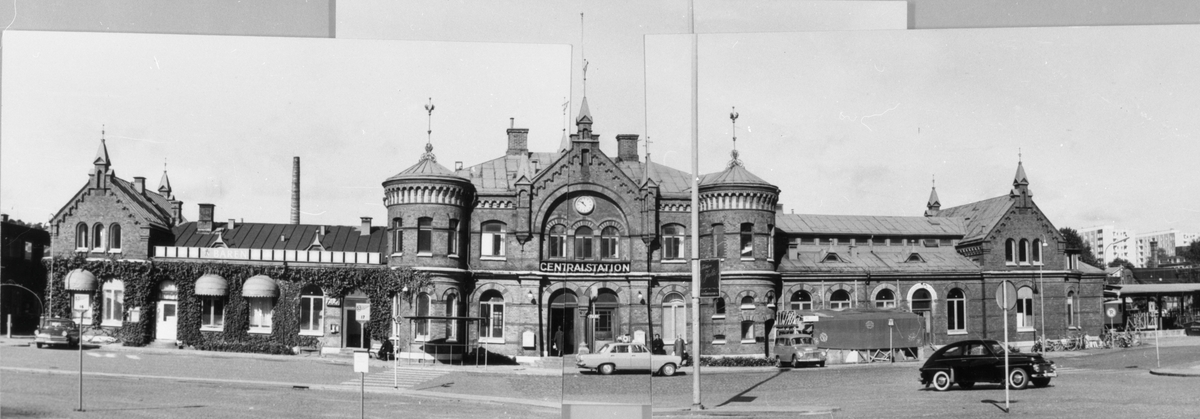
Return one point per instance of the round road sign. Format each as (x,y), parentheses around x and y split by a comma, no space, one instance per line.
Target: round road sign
(1006,288)
(1111,312)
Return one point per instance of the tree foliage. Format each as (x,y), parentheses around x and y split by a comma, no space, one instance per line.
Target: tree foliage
(1192,252)
(1075,241)
(1121,262)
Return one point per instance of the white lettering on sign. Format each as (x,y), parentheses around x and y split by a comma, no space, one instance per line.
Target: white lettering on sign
(224,253)
(584,268)
(362,312)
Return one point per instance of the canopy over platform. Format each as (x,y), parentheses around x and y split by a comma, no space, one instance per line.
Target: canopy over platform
(1152,289)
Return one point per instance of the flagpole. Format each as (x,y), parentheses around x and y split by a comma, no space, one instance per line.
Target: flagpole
(696,404)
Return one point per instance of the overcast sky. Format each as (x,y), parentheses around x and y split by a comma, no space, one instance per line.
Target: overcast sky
(844,122)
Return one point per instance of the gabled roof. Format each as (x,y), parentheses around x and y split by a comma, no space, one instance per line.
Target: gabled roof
(981,217)
(296,237)
(870,225)
(500,174)
(152,207)
(879,260)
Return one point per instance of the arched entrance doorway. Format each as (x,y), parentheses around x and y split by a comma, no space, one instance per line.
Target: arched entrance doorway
(604,318)
(562,320)
(922,305)
(354,335)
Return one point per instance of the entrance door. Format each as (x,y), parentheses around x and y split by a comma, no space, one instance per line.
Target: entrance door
(562,319)
(168,317)
(355,333)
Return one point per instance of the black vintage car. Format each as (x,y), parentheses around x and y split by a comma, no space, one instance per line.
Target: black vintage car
(982,361)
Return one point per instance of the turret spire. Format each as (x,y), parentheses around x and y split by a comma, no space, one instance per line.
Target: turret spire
(934,206)
(102,152)
(429,134)
(734,161)
(164,184)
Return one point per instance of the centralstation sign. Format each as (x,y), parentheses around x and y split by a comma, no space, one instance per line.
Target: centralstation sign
(585,267)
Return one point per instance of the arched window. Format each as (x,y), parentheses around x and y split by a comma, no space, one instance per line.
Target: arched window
(747,307)
(312,311)
(492,243)
(747,303)
(885,298)
(98,237)
(583,242)
(922,300)
(1023,249)
(397,236)
(718,238)
(956,311)
(840,300)
(770,242)
(491,309)
(452,238)
(608,243)
(801,300)
(1072,318)
(558,241)
(452,311)
(424,235)
(1037,251)
(674,312)
(1025,319)
(81,236)
(114,236)
(719,307)
(672,243)
(422,325)
(747,241)
(1010,251)
(114,303)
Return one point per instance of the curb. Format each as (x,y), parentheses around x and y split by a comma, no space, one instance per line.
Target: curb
(750,412)
(1175,372)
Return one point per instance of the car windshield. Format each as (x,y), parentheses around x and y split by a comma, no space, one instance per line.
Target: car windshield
(605,349)
(59,323)
(804,341)
(997,348)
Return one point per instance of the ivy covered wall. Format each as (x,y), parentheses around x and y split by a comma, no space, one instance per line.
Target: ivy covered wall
(142,281)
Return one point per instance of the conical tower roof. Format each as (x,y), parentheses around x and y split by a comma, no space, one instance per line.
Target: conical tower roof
(102,155)
(934,202)
(164,185)
(427,167)
(734,175)
(585,115)
(1020,178)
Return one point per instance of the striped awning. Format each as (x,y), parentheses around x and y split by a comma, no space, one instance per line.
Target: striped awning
(260,286)
(80,280)
(212,285)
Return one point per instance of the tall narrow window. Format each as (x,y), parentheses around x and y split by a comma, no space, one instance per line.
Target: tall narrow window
(606,306)
(397,237)
(98,237)
(719,307)
(492,243)
(1037,251)
(114,303)
(312,310)
(491,310)
(261,311)
(422,325)
(747,241)
(1010,251)
(212,313)
(608,243)
(672,243)
(718,236)
(114,237)
(1072,319)
(452,239)
(747,308)
(674,324)
(885,298)
(81,236)
(1023,252)
(956,311)
(801,301)
(840,300)
(583,242)
(770,242)
(452,311)
(558,241)
(1025,319)
(424,235)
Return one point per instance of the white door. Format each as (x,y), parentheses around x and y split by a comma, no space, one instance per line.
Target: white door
(167,320)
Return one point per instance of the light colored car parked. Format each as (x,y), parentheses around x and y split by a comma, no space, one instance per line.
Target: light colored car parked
(628,356)
(792,349)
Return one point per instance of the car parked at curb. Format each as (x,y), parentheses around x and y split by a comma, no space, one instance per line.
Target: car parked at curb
(982,361)
(627,356)
(56,332)
(794,349)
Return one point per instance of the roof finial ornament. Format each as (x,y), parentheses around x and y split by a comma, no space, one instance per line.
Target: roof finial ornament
(101,132)
(733,116)
(429,134)
(582,54)
(934,180)
(1019,155)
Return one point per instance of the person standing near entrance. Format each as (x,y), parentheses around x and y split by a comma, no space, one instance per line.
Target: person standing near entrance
(680,350)
(558,342)
(656,346)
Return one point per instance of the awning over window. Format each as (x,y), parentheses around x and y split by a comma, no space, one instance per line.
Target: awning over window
(212,285)
(79,280)
(260,286)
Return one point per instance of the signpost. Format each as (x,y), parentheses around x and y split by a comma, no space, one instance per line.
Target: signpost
(79,343)
(362,313)
(1006,298)
(710,278)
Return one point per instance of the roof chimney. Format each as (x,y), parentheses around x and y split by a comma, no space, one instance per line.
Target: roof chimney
(232,224)
(139,185)
(627,147)
(518,141)
(365,229)
(296,190)
(4,218)
(205,224)
(176,212)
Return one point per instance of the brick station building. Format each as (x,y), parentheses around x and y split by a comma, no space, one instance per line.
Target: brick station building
(533,243)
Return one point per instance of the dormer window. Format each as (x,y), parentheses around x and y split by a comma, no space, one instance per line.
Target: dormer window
(219,242)
(316,244)
(832,257)
(914,258)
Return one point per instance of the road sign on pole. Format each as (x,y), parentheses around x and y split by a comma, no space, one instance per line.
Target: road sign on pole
(1006,295)
(710,278)
(1006,289)
(362,312)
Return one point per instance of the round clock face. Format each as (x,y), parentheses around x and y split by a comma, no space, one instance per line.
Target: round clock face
(585,204)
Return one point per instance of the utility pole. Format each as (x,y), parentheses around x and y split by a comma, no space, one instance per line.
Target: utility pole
(696,405)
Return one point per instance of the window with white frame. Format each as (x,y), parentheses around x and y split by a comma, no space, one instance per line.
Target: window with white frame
(422,325)
(770,242)
(956,311)
(397,236)
(672,242)
(1037,251)
(1072,317)
(840,300)
(608,243)
(452,239)
(801,301)
(1025,318)
(424,235)
(558,241)
(212,313)
(583,242)
(81,236)
(491,309)
(718,308)
(747,309)
(114,237)
(452,311)
(312,311)
(674,312)
(261,310)
(98,237)
(1010,251)
(492,242)
(885,298)
(1023,252)
(747,241)
(718,240)
(114,303)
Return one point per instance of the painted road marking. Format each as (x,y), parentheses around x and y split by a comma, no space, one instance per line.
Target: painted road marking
(404,378)
(93,355)
(110,355)
(132,356)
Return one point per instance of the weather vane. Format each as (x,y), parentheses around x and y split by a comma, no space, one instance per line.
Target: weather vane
(429,134)
(733,116)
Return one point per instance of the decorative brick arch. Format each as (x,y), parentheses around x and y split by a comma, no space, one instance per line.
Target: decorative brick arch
(562,285)
(447,292)
(933,295)
(482,288)
(742,295)
(662,293)
(614,287)
(813,292)
(626,205)
(875,291)
(830,289)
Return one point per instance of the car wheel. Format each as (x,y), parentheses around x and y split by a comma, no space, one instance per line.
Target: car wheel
(39,345)
(966,385)
(1018,379)
(667,370)
(1040,382)
(606,369)
(941,381)
(822,364)
(794,364)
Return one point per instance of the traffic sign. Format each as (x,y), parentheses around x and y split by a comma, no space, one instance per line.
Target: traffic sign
(1006,288)
(1111,312)
(362,361)
(362,312)
(710,278)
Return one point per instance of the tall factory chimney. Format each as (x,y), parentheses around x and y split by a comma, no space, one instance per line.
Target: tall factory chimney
(296,190)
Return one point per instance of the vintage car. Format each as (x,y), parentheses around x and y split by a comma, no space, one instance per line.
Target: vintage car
(627,356)
(793,349)
(56,332)
(982,361)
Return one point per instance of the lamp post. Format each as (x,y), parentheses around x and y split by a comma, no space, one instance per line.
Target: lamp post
(1104,250)
(79,343)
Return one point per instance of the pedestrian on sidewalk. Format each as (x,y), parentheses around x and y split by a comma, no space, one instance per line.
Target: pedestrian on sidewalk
(558,342)
(656,346)
(681,350)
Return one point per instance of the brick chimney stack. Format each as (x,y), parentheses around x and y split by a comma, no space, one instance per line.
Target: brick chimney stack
(205,224)
(627,147)
(365,229)
(139,185)
(518,141)
(296,190)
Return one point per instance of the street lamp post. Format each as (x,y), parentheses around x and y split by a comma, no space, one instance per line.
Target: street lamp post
(79,343)
(1104,250)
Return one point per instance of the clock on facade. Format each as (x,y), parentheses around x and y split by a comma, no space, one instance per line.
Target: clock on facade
(585,204)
